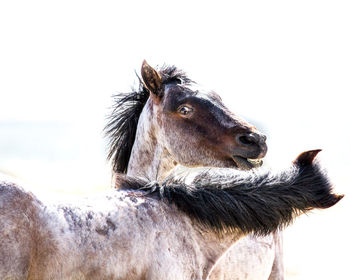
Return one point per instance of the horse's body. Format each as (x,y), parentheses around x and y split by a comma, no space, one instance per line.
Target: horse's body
(159,145)
(161,232)
(121,235)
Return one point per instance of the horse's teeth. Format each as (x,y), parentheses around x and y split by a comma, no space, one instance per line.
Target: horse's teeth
(255,162)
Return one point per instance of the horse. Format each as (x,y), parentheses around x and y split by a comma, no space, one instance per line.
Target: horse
(174,229)
(171,227)
(170,121)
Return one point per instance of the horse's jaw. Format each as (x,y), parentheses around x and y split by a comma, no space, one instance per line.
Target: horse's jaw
(246,163)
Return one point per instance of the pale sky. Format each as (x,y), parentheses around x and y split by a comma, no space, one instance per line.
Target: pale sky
(282,65)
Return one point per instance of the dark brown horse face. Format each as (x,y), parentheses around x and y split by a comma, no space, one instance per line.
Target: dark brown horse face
(198,130)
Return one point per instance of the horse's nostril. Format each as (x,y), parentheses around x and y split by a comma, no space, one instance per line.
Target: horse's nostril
(248,140)
(252,145)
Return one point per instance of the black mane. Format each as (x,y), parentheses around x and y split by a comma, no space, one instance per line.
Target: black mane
(122,124)
(246,201)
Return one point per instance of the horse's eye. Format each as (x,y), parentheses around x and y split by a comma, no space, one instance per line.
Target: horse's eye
(185,110)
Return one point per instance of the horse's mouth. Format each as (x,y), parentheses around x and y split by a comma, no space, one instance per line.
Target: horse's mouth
(246,163)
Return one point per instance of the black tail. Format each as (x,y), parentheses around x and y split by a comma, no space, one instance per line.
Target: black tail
(248,201)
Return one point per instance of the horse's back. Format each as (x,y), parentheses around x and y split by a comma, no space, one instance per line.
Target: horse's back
(17,214)
(117,235)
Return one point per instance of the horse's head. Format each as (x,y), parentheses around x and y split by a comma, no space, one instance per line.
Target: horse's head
(195,126)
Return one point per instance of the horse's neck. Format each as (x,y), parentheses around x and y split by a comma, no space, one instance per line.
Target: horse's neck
(150,162)
(149,158)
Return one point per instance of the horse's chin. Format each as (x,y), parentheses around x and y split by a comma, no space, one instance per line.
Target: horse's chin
(246,163)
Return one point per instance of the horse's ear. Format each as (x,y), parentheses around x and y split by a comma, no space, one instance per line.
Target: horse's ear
(152,79)
(306,158)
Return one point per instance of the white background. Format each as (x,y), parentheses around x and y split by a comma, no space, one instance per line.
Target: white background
(283,65)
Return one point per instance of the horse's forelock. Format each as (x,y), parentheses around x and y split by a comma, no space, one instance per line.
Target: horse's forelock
(171,74)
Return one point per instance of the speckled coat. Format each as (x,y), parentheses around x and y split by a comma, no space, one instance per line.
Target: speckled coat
(133,234)
(116,235)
